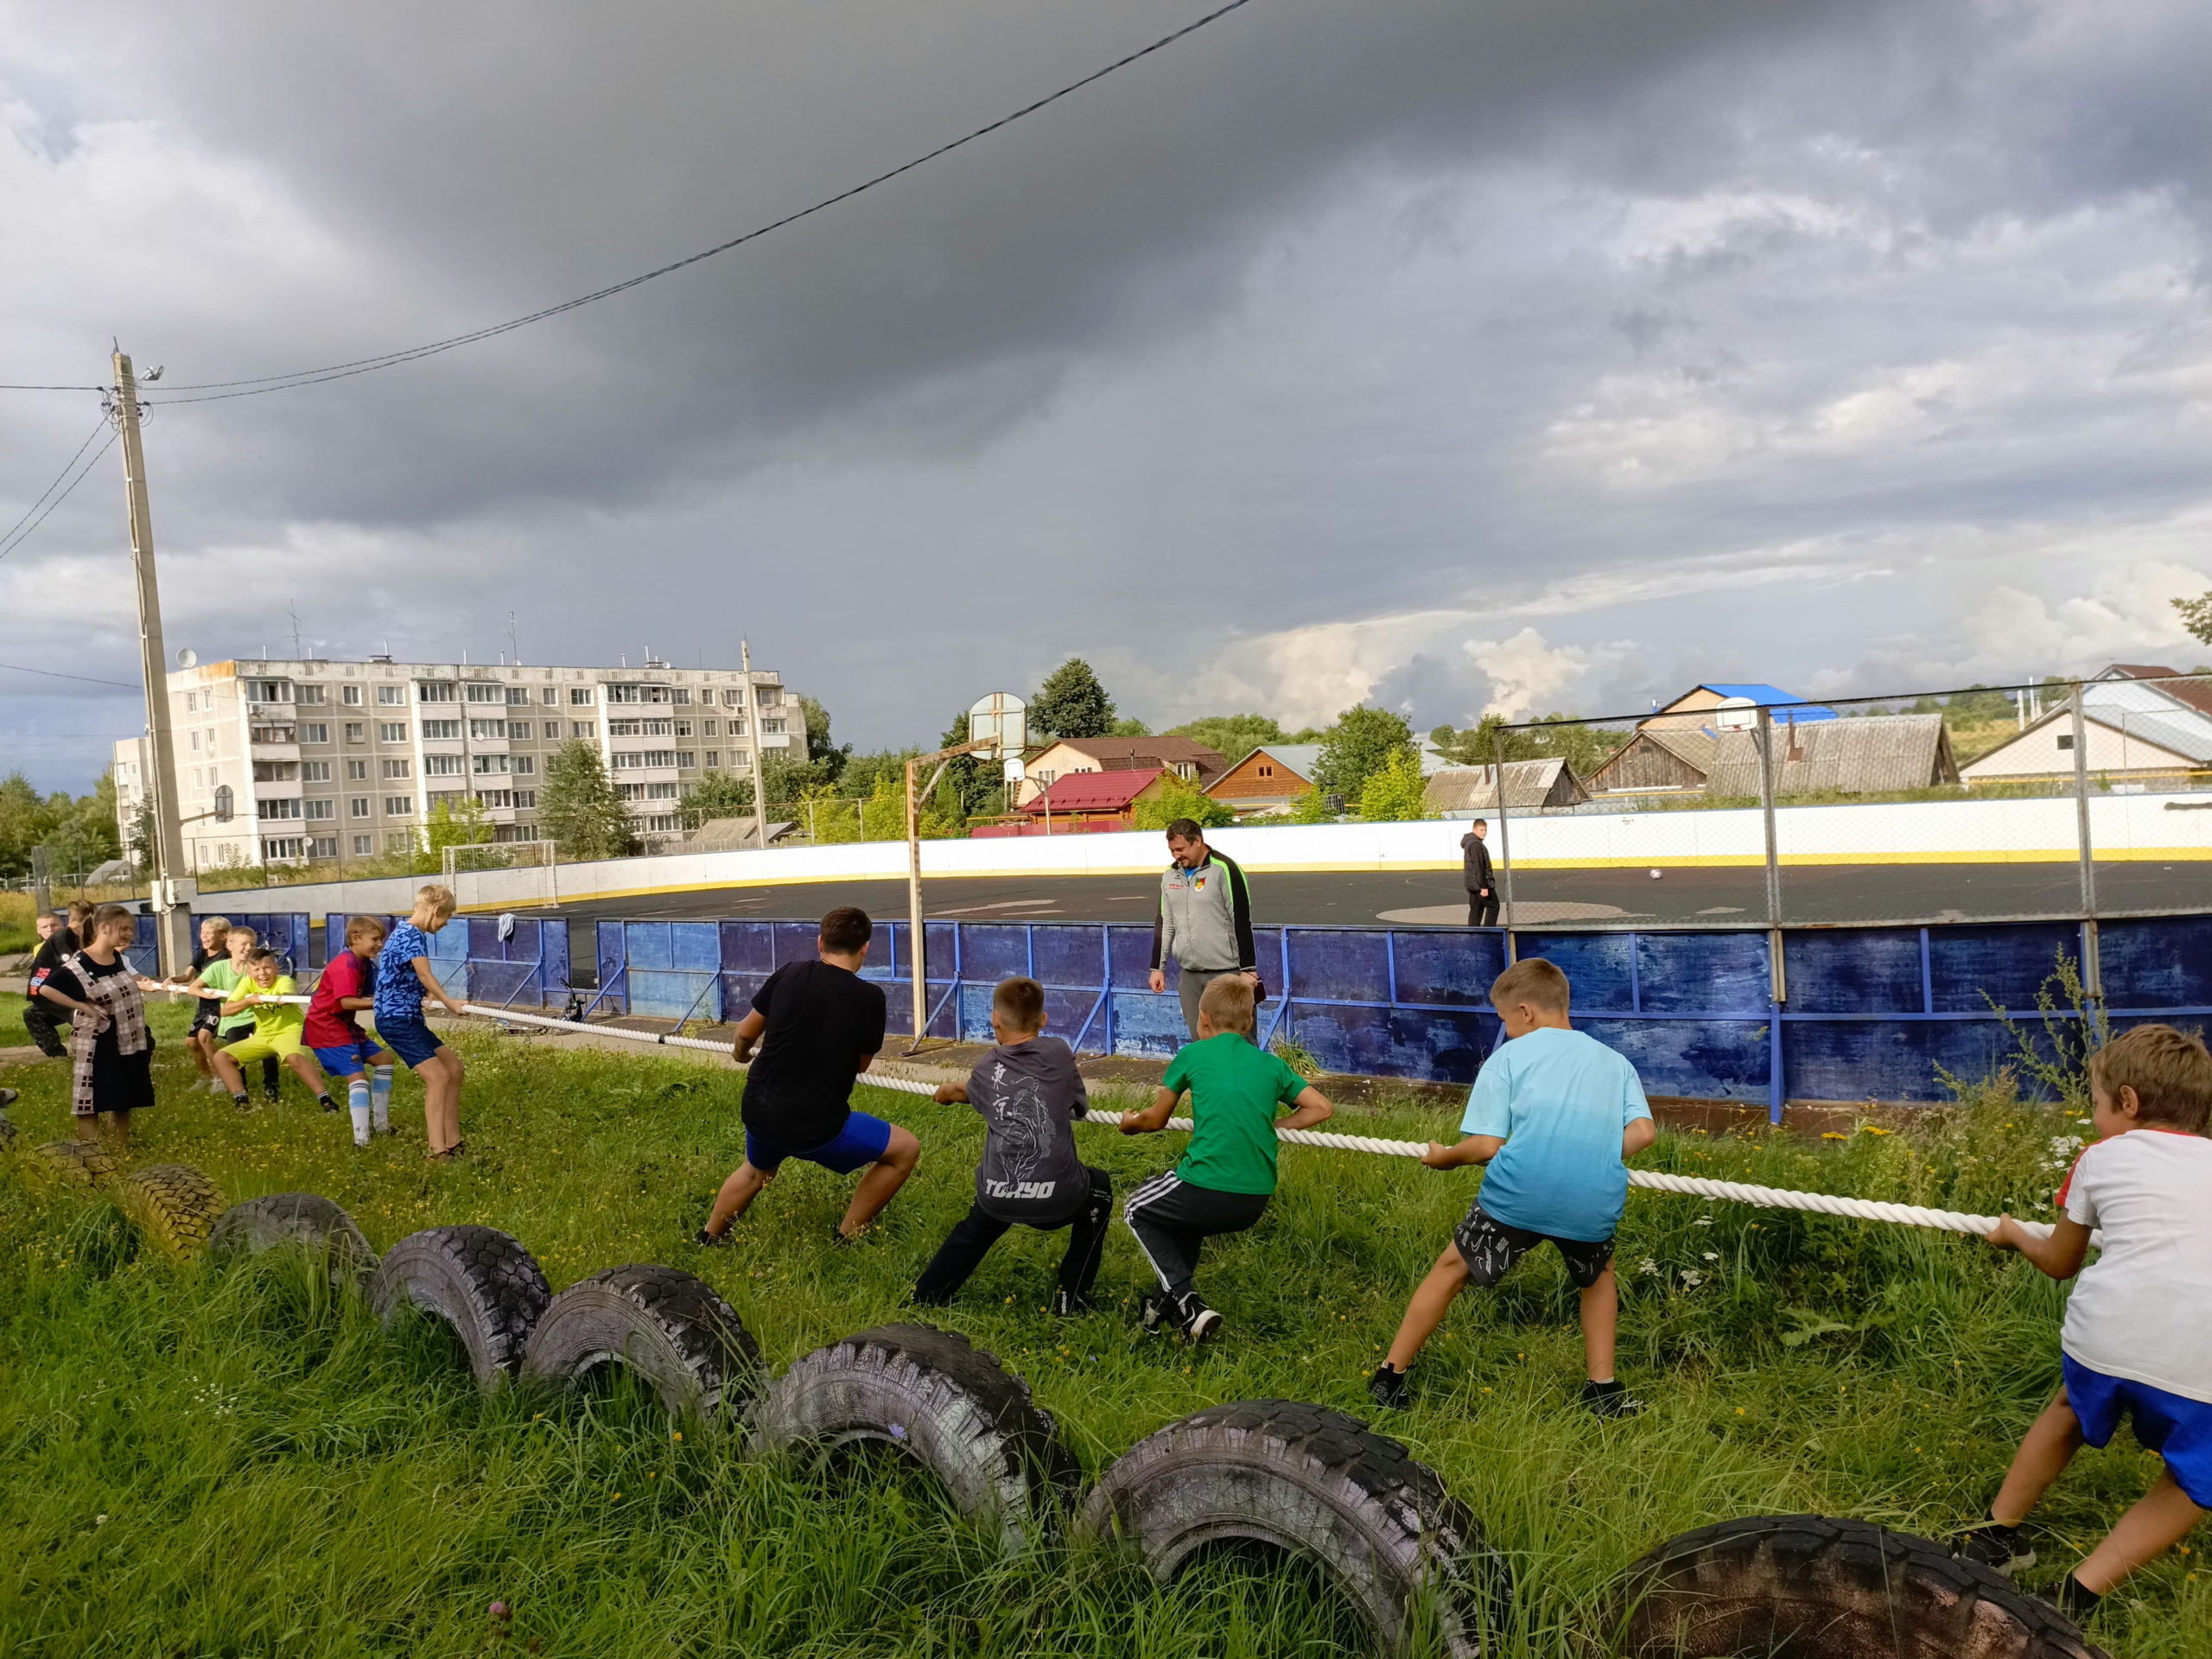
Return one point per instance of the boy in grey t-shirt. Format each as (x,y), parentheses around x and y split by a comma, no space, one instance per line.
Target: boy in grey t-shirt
(1031,1096)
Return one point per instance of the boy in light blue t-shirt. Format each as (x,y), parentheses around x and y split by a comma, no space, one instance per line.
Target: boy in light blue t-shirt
(1556,1116)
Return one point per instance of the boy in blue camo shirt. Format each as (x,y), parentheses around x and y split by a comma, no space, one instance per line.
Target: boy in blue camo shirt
(1555,1114)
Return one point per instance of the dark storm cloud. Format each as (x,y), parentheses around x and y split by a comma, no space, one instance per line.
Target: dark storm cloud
(1359,311)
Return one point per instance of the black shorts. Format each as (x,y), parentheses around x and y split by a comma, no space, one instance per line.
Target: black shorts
(1489,1248)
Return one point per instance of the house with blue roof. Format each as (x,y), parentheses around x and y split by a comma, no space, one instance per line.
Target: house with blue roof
(1696,709)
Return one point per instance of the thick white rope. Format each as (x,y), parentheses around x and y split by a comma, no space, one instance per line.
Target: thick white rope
(1767,1197)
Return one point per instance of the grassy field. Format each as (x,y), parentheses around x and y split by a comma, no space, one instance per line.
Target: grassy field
(197,1463)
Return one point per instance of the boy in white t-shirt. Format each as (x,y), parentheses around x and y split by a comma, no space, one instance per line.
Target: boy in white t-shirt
(2137,1340)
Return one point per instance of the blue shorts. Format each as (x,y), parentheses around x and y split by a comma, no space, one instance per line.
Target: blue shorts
(860,1143)
(346,1058)
(411,1040)
(2176,1428)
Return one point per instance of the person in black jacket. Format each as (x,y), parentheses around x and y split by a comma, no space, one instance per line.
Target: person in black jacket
(58,942)
(1482,883)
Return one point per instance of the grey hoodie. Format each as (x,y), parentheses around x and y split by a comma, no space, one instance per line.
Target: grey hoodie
(1030,1096)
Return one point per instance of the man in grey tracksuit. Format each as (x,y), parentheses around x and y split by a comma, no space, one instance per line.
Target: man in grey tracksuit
(1204,919)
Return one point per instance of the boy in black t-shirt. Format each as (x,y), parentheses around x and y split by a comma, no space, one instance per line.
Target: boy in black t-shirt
(1031,1096)
(818,1026)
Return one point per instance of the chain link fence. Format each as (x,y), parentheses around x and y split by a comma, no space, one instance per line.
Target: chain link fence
(2070,800)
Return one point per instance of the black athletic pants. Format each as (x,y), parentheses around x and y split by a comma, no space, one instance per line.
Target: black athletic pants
(1172,1218)
(45,1024)
(1481,912)
(972,1236)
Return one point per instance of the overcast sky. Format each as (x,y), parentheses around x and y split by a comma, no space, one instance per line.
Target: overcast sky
(1509,355)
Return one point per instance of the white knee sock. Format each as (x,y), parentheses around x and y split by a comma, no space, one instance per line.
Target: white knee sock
(380,1093)
(357,1102)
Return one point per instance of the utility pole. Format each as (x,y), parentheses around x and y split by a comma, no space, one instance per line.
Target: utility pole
(171,902)
(759,755)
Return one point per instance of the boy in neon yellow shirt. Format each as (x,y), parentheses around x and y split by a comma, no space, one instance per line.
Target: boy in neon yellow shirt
(279,1029)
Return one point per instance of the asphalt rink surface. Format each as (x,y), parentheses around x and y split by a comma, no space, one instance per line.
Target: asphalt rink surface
(1731,896)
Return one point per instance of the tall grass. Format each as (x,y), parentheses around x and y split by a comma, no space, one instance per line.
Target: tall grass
(196,1462)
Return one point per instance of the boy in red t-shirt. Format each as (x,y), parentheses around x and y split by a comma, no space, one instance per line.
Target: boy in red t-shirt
(333,1032)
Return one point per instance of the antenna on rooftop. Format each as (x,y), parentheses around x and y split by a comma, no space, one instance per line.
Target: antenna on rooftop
(292,610)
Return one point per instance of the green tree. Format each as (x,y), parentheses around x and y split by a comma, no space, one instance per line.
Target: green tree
(791,773)
(1312,807)
(1394,790)
(1358,745)
(717,795)
(2196,617)
(1178,798)
(1071,703)
(457,821)
(24,824)
(1231,736)
(579,807)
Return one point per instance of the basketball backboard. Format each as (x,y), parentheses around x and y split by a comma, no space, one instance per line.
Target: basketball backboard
(1000,719)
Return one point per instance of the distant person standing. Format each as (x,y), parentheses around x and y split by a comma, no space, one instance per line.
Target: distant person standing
(1204,919)
(1482,880)
(57,943)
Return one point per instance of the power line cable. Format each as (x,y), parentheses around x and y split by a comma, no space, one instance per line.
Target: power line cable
(11,385)
(219,391)
(18,668)
(6,535)
(15,538)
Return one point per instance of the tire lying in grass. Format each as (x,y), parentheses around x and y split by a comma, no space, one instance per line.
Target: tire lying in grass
(1317,1484)
(1804,1587)
(172,1205)
(9,1132)
(478,1279)
(951,1408)
(81,1163)
(668,1327)
(301,1220)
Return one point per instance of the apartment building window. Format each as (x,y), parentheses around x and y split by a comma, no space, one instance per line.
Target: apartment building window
(713,759)
(494,798)
(660,757)
(710,730)
(684,728)
(662,823)
(363,845)
(269,691)
(399,806)
(315,731)
(552,695)
(285,849)
(192,702)
(583,728)
(525,765)
(393,731)
(526,797)
(629,791)
(323,846)
(400,840)
(769,726)
(357,771)
(518,729)
(434,691)
(442,731)
(357,731)
(741,760)
(315,771)
(197,780)
(388,695)
(486,764)
(768,697)
(196,742)
(351,696)
(662,792)
(311,694)
(399,769)
(319,808)
(275,772)
(287,808)
(442,766)
(518,696)
(276,734)
(733,699)
(579,696)
(628,759)
(482,729)
(479,692)
(687,760)
(683,698)
(359,806)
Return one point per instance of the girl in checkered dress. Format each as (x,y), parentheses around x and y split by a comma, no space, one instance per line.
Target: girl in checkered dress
(110,1051)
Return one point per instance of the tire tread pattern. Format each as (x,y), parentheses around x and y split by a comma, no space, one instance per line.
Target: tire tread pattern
(480,1281)
(174,1204)
(304,1219)
(669,1325)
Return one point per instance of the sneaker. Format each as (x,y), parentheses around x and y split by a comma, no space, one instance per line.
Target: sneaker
(839,1238)
(1993,1546)
(1067,1305)
(328,1104)
(1387,1387)
(1152,1311)
(271,1097)
(243,1104)
(1607,1400)
(2072,1598)
(1199,1321)
(709,1240)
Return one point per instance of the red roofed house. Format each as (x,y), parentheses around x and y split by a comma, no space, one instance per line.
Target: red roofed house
(1064,757)
(1095,799)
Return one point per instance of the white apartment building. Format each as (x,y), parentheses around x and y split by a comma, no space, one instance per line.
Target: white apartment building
(328,761)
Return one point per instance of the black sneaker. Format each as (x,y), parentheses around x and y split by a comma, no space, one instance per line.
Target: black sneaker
(710,1239)
(2072,1598)
(271,1097)
(1067,1305)
(1607,1400)
(1993,1546)
(1199,1321)
(1387,1387)
(328,1104)
(1152,1311)
(839,1238)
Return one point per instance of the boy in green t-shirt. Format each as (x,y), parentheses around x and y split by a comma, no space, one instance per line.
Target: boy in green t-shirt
(278,1029)
(1228,1173)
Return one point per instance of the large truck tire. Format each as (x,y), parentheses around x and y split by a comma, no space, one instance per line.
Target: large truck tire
(1806,1586)
(81,1163)
(172,1205)
(480,1281)
(1316,1483)
(302,1220)
(668,1327)
(950,1407)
